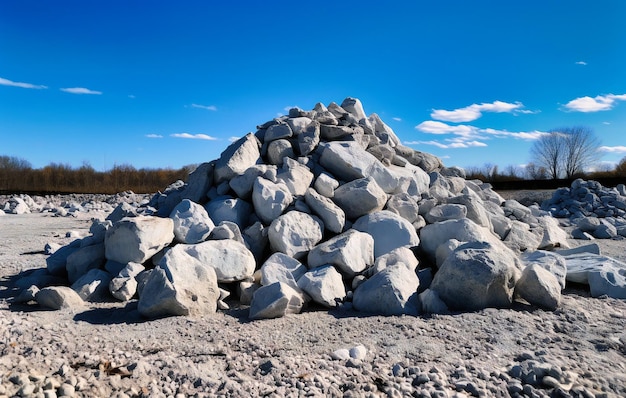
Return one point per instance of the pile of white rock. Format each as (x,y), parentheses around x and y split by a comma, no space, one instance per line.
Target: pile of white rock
(69,205)
(597,211)
(324,208)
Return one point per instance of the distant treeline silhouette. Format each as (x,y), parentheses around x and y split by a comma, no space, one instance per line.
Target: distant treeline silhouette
(17,175)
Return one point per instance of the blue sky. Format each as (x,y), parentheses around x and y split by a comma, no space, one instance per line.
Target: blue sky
(167,84)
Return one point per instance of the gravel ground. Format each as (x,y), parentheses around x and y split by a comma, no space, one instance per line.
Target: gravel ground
(107,349)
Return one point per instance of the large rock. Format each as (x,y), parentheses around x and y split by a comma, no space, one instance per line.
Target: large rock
(604,275)
(226,208)
(324,284)
(180,285)
(476,275)
(56,263)
(269,199)
(124,285)
(351,252)
(274,301)
(403,205)
(551,261)
(137,239)
(93,286)
(192,223)
(539,287)
(295,233)
(446,211)
(243,183)
(279,267)
(332,215)
(83,260)
(389,231)
(59,297)
(239,155)
(359,197)
(198,183)
(231,260)
(393,291)
(296,176)
(402,255)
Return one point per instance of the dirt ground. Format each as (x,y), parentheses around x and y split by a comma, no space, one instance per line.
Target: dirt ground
(107,349)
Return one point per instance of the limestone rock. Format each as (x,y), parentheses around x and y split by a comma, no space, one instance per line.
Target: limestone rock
(359,197)
(402,255)
(192,223)
(393,291)
(351,252)
(226,208)
(180,285)
(295,233)
(270,199)
(476,276)
(137,239)
(275,301)
(59,297)
(239,155)
(539,287)
(389,231)
(551,261)
(93,286)
(604,275)
(332,216)
(83,260)
(324,284)
(230,259)
(124,285)
(279,267)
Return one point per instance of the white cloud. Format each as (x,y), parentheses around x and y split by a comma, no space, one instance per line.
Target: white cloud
(613,149)
(523,135)
(581,63)
(207,107)
(233,139)
(7,82)
(154,136)
(452,144)
(475,111)
(596,104)
(434,127)
(194,136)
(607,123)
(397,119)
(80,90)
(131,96)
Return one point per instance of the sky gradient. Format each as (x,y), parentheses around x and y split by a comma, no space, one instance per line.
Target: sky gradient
(163,84)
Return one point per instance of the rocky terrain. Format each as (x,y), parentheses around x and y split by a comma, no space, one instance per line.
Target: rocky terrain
(317,256)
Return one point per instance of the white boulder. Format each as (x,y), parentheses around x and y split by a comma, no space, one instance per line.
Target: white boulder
(359,197)
(393,291)
(351,252)
(270,199)
(295,233)
(231,260)
(192,223)
(389,231)
(275,301)
(279,267)
(59,297)
(333,216)
(324,284)
(124,286)
(137,239)
(539,287)
(93,286)
(239,155)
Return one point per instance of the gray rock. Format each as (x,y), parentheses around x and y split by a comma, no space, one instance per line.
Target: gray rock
(351,252)
(295,233)
(354,106)
(278,131)
(56,263)
(93,286)
(192,223)
(326,184)
(604,275)
(446,211)
(239,155)
(296,176)
(389,231)
(298,125)
(309,139)
(324,284)
(279,267)
(359,197)
(278,150)
(180,285)
(242,184)
(198,183)
(402,255)
(137,239)
(551,261)
(275,301)
(226,208)
(393,291)
(539,287)
(83,260)
(403,205)
(227,230)
(122,210)
(332,215)
(431,303)
(124,285)
(230,259)
(269,199)
(59,297)
(477,275)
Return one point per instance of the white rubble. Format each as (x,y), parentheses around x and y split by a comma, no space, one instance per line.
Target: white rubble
(192,223)
(137,239)
(274,301)
(392,291)
(324,285)
(351,252)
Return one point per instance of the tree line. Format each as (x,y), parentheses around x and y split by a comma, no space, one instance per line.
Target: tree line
(18,175)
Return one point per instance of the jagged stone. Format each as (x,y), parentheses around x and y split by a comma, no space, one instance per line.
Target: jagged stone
(389,231)
(270,199)
(137,239)
(192,223)
(198,183)
(83,260)
(403,205)
(226,208)
(278,150)
(243,183)
(359,197)
(477,275)
(551,261)
(93,286)
(309,139)
(239,155)
(124,285)
(279,267)
(351,252)
(296,176)
(392,291)
(446,211)
(274,301)
(402,255)
(59,297)
(539,287)
(295,233)
(324,284)
(332,216)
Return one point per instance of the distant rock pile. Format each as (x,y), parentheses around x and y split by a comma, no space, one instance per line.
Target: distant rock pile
(68,205)
(322,207)
(599,212)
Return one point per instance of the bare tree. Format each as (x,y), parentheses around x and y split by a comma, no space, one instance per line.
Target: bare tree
(565,152)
